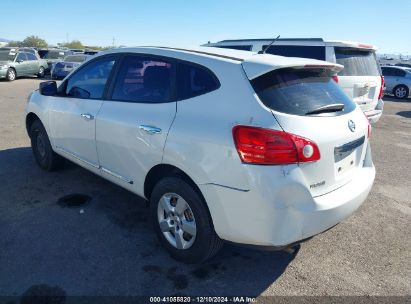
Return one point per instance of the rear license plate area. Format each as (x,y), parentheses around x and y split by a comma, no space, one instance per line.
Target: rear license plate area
(345,156)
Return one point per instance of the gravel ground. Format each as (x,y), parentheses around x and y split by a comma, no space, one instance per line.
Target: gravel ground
(107,247)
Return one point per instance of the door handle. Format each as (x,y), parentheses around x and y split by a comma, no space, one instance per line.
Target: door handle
(87,116)
(150,129)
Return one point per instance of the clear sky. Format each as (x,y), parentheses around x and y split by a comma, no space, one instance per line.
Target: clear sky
(386,24)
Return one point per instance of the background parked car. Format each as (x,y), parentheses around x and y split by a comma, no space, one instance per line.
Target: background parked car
(360,79)
(53,56)
(397,80)
(63,68)
(16,64)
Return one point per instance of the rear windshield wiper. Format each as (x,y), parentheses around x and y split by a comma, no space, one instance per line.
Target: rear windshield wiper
(336,107)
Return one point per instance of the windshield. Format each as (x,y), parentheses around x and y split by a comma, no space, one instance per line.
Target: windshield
(357,62)
(75,58)
(300,91)
(7,56)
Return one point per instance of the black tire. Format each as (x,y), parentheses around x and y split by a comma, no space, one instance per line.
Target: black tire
(206,243)
(11,74)
(41,72)
(401,92)
(45,157)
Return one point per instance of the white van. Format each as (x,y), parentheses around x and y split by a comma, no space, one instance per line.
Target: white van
(361,77)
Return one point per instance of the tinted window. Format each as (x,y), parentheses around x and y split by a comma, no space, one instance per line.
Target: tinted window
(314,52)
(236,47)
(21,56)
(193,80)
(31,56)
(143,79)
(398,73)
(90,81)
(357,62)
(299,91)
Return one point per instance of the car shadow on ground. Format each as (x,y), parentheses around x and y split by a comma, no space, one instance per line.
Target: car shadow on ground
(406,114)
(106,247)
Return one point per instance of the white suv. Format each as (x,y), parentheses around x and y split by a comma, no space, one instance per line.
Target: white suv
(225,144)
(361,77)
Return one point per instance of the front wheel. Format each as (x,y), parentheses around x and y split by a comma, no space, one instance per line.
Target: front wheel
(401,92)
(11,74)
(182,222)
(45,157)
(41,72)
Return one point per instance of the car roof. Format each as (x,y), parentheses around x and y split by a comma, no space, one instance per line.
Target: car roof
(254,64)
(210,52)
(397,67)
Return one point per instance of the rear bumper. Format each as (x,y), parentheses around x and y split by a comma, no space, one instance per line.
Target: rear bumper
(279,210)
(375,115)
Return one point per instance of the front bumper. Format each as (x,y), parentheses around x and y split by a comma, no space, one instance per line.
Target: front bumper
(3,73)
(279,210)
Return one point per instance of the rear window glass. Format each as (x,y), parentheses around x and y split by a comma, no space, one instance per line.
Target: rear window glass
(357,62)
(300,91)
(236,47)
(193,80)
(143,79)
(313,52)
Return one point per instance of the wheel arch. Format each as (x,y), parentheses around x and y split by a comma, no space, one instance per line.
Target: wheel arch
(30,118)
(166,170)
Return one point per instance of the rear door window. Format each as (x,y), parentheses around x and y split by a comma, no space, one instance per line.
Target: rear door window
(31,56)
(144,79)
(300,91)
(194,80)
(313,52)
(357,62)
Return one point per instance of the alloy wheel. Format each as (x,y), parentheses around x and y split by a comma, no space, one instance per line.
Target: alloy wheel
(176,220)
(11,75)
(400,92)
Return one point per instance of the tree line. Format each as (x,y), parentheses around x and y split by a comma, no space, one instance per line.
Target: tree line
(37,42)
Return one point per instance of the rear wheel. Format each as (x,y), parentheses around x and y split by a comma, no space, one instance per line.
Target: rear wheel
(11,74)
(41,72)
(401,92)
(45,157)
(182,222)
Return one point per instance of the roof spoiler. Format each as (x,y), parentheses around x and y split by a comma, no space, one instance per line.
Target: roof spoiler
(261,64)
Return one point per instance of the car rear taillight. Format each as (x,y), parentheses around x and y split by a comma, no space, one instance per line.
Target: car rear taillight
(270,147)
(335,78)
(382,87)
(369,126)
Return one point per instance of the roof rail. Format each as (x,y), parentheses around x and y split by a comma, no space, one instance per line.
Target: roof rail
(271,39)
(199,52)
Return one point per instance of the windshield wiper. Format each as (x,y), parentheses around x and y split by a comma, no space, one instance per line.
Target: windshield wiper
(336,107)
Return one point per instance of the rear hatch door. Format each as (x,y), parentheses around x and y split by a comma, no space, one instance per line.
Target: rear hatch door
(307,102)
(361,76)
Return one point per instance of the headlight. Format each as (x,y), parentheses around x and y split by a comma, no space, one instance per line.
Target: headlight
(3,67)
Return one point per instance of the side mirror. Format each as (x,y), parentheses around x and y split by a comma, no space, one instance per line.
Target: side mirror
(20,61)
(48,88)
